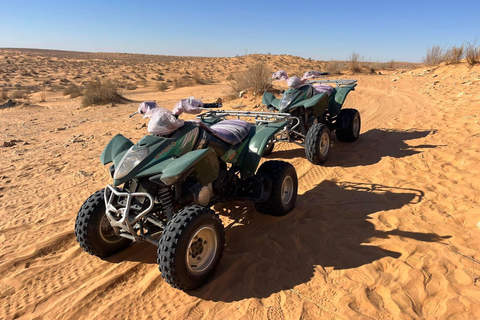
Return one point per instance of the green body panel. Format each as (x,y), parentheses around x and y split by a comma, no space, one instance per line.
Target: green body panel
(319,103)
(235,154)
(269,99)
(203,164)
(252,155)
(160,149)
(118,145)
(301,94)
(338,98)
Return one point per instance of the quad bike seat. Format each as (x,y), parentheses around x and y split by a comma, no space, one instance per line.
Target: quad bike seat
(229,131)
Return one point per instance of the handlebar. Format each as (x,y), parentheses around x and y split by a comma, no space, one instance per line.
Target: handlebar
(212,105)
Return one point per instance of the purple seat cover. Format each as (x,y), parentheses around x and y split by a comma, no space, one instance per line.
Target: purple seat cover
(231,131)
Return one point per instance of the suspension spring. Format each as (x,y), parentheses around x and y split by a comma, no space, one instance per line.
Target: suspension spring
(166,199)
(301,125)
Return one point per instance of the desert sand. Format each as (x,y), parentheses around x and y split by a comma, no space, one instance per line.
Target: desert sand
(385,229)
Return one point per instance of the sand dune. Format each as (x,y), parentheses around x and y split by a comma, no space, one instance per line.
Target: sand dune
(386,229)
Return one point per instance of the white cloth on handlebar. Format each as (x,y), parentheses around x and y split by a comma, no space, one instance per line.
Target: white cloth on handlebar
(162,121)
(189,105)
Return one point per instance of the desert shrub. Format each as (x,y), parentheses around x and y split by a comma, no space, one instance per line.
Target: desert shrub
(454,54)
(255,78)
(199,79)
(73,90)
(4,95)
(180,82)
(472,54)
(163,86)
(128,86)
(19,94)
(335,67)
(354,62)
(435,55)
(101,92)
(230,78)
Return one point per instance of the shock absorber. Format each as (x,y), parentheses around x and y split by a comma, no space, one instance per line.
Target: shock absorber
(166,199)
(301,125)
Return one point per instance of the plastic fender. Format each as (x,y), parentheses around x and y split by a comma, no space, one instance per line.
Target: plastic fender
(204,163)
(269,99)
(339,98)
(256,147)
(319,103)
(117,145)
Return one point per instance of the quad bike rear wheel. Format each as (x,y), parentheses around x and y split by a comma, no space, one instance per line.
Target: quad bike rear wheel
(191,247)
(284,188)
(317,143)
(93,230)
(351,118)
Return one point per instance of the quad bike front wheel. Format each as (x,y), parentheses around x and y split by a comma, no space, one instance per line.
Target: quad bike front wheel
(284,188)
(93,230)
(317,143)
(351,132)
(191,247)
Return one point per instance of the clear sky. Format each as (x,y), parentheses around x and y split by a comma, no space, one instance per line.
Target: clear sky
(324,30)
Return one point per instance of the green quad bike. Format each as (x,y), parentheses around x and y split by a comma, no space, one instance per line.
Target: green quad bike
(316,112)
(164,185)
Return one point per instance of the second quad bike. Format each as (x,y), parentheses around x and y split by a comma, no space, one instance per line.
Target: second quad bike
(316,112)
(164,185)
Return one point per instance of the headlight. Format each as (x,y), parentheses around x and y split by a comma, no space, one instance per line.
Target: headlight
(286,99)
(129,161)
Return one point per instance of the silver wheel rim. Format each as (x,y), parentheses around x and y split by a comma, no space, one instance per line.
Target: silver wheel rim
(324,144)
(202,250)
(287,190)
(356,126)
(106,231)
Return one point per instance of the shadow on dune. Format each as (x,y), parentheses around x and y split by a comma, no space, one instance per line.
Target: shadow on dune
(329,227)
(369,149)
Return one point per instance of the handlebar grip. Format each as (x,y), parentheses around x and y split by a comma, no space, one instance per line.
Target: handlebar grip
(212,105)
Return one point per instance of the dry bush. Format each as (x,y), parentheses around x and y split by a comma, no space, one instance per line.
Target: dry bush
(472,54)
(199,79)
(454,54)
(19,94)
(162,86)
(335,67)
(181,82)
(99,92)
(43,96)
(354,62)
(255,78)
(435,55)
(73,90)
(4,95)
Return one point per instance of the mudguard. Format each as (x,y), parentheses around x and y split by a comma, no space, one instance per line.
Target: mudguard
(115,147)
(256,146)
(338,98)
(318,102)
(269,99)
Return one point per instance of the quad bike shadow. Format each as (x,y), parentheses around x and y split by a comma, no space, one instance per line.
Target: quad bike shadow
(369,149)
(329,227)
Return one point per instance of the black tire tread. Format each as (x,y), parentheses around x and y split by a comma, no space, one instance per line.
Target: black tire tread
(312,151)
(83,231)
(346,135)
(167,247)
(274,170)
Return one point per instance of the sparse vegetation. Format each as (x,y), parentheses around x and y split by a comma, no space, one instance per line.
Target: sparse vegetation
(99,92)
(454,54)
(73,90)
(354,62)
(4,95)
(335,67)
(472,54)
(435,55)
(163,86)
(255,78)
(19,94)
(180,82)
(199,79)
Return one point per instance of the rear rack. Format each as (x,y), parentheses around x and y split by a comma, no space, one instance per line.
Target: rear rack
(258,117)
(338,82)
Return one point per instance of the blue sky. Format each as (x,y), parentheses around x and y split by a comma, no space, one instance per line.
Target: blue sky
(324,30)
